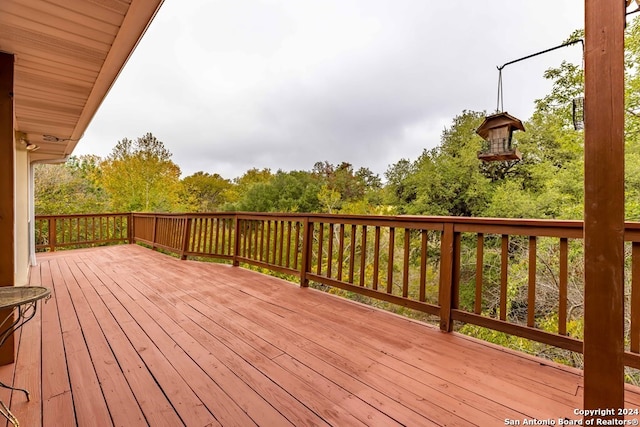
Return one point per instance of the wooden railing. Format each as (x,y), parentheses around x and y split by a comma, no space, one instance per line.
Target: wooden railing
(519,277)
(75,231)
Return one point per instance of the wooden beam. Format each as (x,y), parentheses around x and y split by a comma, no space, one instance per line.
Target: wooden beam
(7,238)
(604,205)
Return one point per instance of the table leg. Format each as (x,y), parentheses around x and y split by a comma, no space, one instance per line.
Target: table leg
(8,415)
(25,391)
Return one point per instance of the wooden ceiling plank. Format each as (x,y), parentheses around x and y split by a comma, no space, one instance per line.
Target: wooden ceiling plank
(54,16)
(49,95)
(45,110)
(53,82)
(15,30)
(46,55)
(64,78)
(88,9)
(38,64)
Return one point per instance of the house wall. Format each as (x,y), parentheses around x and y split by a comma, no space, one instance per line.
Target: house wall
(21,219)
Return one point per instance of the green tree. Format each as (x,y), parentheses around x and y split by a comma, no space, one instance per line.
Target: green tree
(204,192)
(358,189)
(71,187)
(140,176)
(400,190)
(295,191)
(446,180)
(242,184)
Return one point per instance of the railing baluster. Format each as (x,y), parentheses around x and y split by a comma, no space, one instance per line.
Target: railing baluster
(236,241)
(288,249)
(248,228)
(208,235)
(352,253)
(376,258)
(262,226)
(307,244)
(531,286)
(297,246)
(267,242)
(363,254)
(256,238)
(281,243)
(320,244)
(186,223)
(340,251)
(200,244)
(479,272)
(562,299)
(504,275)
(424,256)
(330,250)
(455,286)
(405,269)
(635,297)
(225,225)
(445,300)
(52,234)
(217,237)
(276,236)
(392,244)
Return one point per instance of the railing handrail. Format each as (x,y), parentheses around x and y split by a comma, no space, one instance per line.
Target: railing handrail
(83,215)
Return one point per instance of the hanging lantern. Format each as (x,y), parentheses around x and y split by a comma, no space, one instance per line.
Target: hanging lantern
(497,131)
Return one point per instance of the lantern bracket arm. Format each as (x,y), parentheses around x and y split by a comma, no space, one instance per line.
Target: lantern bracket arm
(500,101)
(543,52)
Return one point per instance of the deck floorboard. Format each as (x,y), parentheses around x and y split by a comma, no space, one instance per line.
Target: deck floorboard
(132,337)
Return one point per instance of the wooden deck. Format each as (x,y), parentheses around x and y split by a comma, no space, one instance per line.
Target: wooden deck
(133,337)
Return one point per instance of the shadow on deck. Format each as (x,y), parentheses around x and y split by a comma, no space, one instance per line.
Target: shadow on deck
(133,337)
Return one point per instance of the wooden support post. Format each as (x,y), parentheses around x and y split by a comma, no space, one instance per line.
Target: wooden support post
(604,205)
(7,220)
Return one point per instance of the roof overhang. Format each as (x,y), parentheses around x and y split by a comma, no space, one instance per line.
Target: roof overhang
(68,54)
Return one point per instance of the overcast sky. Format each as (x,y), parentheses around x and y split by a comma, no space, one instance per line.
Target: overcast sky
(229,85)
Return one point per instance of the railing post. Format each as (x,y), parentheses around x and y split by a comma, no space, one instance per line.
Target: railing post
(185,238)
(52,234)
(307,238)
(236,241)
(449,275)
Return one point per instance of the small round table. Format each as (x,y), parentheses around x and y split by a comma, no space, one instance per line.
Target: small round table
(22,300)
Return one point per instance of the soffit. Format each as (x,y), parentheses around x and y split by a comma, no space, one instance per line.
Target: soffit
(68,54)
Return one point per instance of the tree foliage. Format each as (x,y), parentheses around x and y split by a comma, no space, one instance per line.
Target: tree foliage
(204,192)
(71,187)
(139,175)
